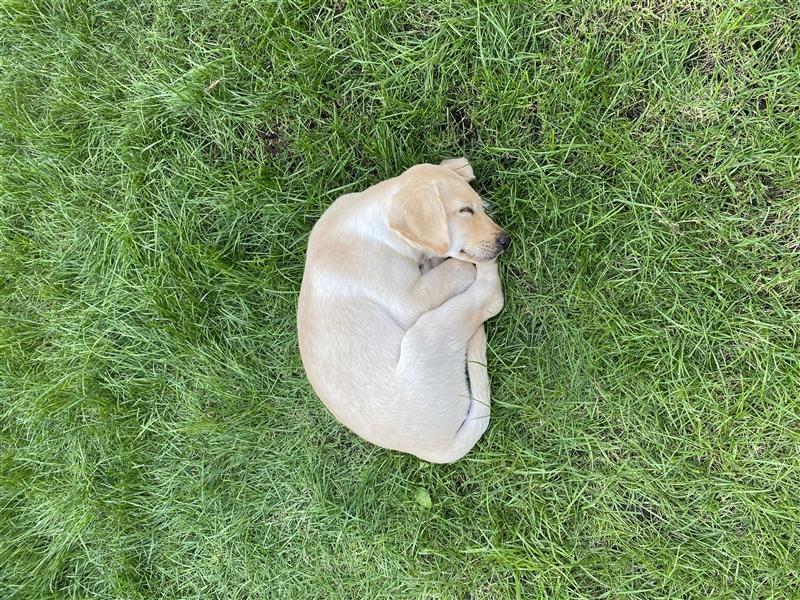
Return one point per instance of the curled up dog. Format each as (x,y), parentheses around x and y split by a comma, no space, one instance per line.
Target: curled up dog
(398,281)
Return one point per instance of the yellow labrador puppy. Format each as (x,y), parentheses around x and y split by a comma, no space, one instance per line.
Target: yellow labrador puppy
(398,281)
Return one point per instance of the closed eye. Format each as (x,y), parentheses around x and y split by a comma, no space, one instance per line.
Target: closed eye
(467,210)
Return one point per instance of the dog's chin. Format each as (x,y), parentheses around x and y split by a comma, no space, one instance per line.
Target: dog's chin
(476,258)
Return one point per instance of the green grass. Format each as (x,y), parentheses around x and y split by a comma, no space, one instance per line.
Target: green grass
(161,165)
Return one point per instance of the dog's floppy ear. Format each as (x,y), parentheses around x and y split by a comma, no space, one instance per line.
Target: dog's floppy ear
(420,219)
(461,166)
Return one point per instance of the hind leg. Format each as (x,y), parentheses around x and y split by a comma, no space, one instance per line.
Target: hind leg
(462,419)
(442,333)
(448,420)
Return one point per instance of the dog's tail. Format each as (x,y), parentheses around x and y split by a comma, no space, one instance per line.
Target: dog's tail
(477,419)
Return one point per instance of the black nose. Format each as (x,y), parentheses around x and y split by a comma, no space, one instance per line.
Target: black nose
(503,240)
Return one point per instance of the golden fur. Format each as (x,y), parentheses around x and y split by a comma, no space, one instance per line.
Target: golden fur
(398,281)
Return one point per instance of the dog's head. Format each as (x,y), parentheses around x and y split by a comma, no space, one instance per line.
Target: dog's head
(438,212)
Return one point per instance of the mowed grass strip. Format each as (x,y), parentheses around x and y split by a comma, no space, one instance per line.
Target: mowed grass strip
(161,165)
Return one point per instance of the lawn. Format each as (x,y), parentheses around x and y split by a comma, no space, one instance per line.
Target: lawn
(161,166)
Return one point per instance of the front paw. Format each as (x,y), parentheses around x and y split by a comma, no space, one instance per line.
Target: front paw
(488,278)
(462,272)
(487,274)
(494,303)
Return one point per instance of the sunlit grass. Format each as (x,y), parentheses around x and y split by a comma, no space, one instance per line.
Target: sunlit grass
(161,165)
